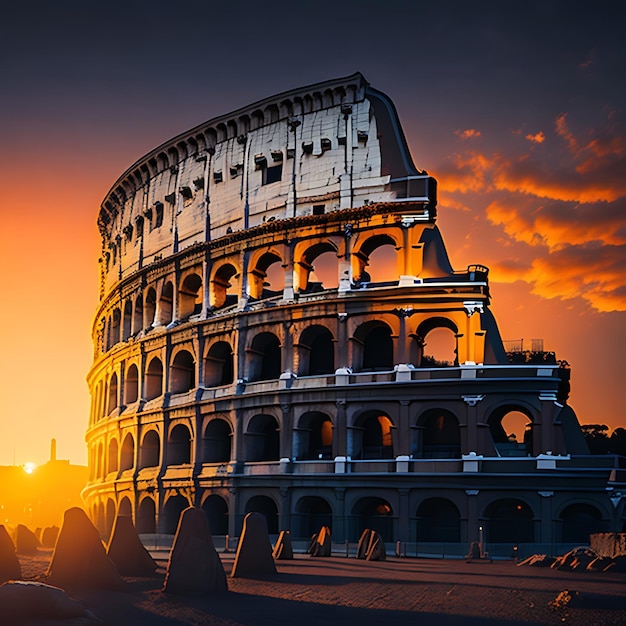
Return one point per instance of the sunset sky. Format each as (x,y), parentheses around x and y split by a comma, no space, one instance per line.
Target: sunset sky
(517,108)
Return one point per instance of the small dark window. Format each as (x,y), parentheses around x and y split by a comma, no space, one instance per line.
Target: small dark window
(272,174)
(159,214)
(139,223)
(318,209)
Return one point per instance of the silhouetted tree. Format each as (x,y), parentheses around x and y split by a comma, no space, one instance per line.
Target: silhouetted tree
(597,437)
(617,442)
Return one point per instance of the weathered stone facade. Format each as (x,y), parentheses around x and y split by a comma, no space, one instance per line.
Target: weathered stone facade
(250,355)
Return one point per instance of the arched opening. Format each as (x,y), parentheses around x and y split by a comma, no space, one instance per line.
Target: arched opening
(317,269)
(115,328)
(154,379)
(316,352)
(509,521)
(264,358)
(267,279)
(138,316)
(190,297)
(131,388)
(179,445)
(113,461)
(149,312)
(166,304)
(439,520)
(217,442)
(508,422)
(435,344)
(313,438)
(113,391)
(170,516)
(218,365)
(375,262)
(439,435)
(579,521)
(127,456)
(262,439)
(375,514)
(373,348)
(312,513)
(183,372)
(216,510)
(266,506)
(224,287)
(128,320)
(371,437)
(440,348)
(146,517)
(150,451)
(125,507)
(109,517)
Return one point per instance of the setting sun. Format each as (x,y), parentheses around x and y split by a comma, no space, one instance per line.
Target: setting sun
(29,468)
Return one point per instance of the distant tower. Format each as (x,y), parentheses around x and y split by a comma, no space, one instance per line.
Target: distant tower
(53,451)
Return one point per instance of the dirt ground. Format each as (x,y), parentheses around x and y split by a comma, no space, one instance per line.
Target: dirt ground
(336,590)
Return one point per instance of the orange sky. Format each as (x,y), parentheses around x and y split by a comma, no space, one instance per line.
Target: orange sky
(526,135)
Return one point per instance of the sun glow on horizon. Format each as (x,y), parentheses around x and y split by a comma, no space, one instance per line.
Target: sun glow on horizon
(29,467)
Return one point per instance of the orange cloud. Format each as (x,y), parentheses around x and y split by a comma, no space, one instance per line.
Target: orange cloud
(468,133)
(537,137)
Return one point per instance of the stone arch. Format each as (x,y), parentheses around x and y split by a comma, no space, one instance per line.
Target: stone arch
(113,394)
(578,521)
(373,513)
(499,419)
(266,278)
(127,322)
(146,516)
(190,296)
(170,515)
(438,519)
(109,518)
(127,455)
(372,347)
(154,379)
(262,439)
(438,435)
(224,286)
(313,436)
(435,343)
(138,315)
(114,336)
(179,445)
(113,456)
(371,436)
(149,308)
(311,513)
(509,520)
(266,506)
(264,357)
(150,451)
(125,507)
(217,442)
(182,372)
(131,384)
(166,304)
(365,255)
(316,351)
(216,510)
(219,365)
(316,267)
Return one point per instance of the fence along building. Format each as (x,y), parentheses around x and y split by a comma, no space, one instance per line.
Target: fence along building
(272,285)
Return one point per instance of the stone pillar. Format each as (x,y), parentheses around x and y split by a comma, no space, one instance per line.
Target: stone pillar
(285,432)
(404,516)
(473,521)
(340,444)
(402,444)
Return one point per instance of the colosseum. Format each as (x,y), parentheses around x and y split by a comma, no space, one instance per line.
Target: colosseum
(280,330)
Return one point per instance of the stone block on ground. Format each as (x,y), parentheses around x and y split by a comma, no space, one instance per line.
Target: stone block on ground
(194,566)
(79,559)
(126,550)
(254,551)
(26,541)
(9,563)
(321,543)
(371,546)
(283,550)
(49,536)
